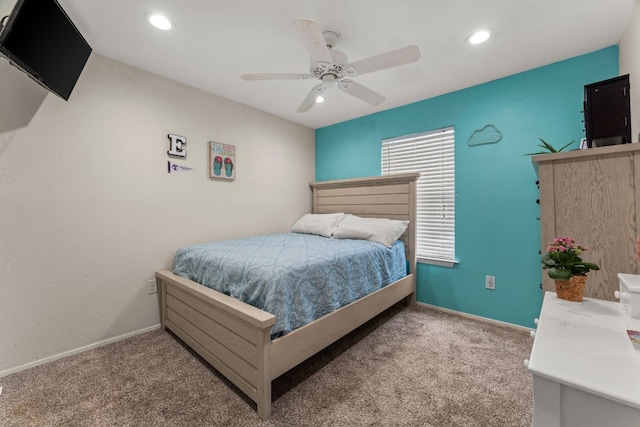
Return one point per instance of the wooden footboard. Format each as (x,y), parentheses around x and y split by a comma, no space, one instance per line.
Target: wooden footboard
(232,336)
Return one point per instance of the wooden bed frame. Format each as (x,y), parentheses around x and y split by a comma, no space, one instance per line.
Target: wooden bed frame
(234,337)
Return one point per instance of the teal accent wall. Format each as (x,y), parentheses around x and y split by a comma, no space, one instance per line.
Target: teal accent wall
(497,226)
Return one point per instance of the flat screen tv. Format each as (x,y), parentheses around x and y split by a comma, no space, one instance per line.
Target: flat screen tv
(39,38)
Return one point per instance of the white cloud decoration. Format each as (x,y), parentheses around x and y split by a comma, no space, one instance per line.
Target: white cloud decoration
(487,135)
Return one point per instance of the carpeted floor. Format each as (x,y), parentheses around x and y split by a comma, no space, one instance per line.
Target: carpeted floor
(407,367)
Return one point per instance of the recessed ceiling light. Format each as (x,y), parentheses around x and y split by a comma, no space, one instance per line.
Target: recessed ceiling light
(159,21)
(479,37)
(320,99)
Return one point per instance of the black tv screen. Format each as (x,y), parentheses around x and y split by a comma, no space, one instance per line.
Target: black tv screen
(39,38)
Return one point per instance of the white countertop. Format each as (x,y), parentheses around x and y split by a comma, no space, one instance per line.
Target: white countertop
(585,345)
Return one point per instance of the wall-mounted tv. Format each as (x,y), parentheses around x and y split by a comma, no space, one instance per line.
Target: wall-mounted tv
(40,39)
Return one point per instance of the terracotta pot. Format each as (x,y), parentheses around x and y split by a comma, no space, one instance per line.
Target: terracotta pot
(572,289)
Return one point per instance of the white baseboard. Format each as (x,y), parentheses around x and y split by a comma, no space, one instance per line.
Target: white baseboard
(76,351)
(474,317)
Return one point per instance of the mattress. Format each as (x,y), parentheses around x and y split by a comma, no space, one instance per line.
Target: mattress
(296,277)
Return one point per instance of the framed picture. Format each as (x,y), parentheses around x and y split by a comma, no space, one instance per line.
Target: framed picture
(222,161)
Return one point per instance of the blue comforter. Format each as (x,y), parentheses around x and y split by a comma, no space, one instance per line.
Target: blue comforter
(296,277)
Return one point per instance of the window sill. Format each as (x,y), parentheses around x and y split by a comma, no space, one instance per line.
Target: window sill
(438,262)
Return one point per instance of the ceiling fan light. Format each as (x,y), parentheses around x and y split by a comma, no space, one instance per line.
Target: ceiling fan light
(479,37)
(319,99)
(160,21)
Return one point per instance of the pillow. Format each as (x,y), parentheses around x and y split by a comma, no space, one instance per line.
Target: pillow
(381,230)
(320,224)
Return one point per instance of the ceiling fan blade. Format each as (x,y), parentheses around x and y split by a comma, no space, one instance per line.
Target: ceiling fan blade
(276,76)
(313,40)
(311,98)
(389,59)
(361,92)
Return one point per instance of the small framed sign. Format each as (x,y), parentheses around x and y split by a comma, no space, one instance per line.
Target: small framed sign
(222,161)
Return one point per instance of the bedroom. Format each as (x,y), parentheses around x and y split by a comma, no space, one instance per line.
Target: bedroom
(88,212)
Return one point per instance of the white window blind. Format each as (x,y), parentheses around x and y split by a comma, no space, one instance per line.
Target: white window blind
(431,154)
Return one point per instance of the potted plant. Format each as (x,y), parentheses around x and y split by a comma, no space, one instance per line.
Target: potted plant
(548,148)
(565,266)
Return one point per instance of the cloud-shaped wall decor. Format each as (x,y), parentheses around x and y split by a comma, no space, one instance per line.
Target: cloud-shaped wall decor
(487,135)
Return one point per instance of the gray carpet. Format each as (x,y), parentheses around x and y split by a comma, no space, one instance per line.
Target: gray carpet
(407,367)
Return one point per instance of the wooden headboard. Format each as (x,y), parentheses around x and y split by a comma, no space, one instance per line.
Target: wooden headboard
(388,196)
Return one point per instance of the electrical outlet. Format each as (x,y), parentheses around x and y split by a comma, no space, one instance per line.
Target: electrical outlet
(490,282)
(152,287)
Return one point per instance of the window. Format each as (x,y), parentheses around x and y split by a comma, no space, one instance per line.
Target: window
(431,154)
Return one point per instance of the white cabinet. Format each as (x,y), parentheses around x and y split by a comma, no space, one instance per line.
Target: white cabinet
(585,370)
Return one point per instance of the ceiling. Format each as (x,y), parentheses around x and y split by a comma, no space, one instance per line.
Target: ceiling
(215,41)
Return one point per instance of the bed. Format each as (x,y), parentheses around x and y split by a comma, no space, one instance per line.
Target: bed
(236,338)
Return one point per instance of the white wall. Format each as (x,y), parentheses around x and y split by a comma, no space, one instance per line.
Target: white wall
(88,211)
(6,6)
(630,64)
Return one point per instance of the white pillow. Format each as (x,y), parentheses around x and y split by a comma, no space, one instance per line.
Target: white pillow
(320,224)
(381,230)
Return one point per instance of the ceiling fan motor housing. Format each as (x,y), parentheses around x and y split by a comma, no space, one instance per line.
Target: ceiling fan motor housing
(339,62)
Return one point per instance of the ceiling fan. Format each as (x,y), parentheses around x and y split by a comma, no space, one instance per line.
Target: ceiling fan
(332,67)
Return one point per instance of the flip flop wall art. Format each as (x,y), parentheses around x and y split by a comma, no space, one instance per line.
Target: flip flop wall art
(222,161)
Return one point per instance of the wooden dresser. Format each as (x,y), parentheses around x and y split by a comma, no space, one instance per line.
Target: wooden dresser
(593,196)
(585,370)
